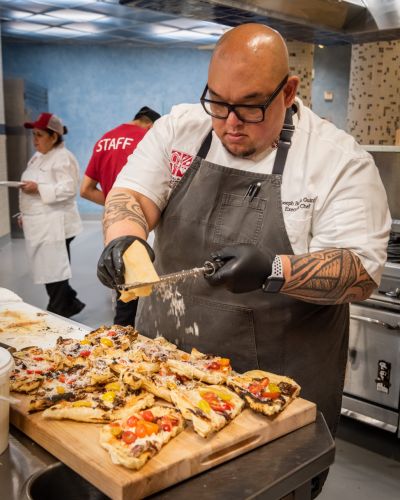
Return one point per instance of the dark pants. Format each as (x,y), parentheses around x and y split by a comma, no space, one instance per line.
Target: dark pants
(125,312)
(62,297)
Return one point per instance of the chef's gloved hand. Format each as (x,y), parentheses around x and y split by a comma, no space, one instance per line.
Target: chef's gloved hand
(111,268)
(245,268)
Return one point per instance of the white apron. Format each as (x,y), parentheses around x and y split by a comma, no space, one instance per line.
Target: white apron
(51,216)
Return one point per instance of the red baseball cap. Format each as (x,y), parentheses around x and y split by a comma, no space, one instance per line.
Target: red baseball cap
(47,121)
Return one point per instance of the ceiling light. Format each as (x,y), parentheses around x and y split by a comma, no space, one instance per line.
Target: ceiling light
(66,3)
(14,14)
(85,27)
(75,15)
(62,32)
(187,35)
(182,23)
(22,26)
(43,19)
(212,30)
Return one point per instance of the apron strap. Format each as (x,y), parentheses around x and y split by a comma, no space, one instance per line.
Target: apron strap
(284,142)
(205,146)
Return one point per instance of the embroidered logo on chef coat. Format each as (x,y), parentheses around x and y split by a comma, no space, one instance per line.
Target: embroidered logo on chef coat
(178,164)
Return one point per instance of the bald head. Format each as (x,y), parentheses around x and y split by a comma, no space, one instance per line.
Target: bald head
(254,46)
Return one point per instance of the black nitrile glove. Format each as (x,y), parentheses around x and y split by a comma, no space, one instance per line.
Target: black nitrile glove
(245,268)
(111,268)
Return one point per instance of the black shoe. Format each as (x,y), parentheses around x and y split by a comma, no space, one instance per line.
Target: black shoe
(76,307)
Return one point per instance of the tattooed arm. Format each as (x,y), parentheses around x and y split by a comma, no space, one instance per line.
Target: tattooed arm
(128,213)
(332,276)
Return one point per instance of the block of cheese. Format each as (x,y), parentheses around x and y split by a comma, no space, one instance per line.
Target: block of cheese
(138,269)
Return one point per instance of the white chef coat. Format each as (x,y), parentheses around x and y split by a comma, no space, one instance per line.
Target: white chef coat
(50,216)
(332,195)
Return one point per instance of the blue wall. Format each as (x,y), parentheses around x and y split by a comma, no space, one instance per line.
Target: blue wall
(95,88)
(332,73)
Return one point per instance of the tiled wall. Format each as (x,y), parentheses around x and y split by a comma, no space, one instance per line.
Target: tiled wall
(374,96)
(301,57)
(4,212)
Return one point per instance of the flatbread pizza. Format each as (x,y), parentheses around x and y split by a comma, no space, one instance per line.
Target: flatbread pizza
(264,392)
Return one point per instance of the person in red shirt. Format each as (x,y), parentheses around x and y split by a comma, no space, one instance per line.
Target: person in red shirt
(110,154)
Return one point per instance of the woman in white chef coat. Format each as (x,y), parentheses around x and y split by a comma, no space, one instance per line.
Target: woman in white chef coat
(49,212)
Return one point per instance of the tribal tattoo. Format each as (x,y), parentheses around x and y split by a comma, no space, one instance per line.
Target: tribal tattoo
(123,207)
(333,276)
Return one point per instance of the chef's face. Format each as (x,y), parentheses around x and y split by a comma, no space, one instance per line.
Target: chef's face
(235,84)
(43,141)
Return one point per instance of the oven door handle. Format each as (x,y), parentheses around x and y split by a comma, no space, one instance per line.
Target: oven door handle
(365,319)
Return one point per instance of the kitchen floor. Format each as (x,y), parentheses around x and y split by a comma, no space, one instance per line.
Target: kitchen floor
(367,465)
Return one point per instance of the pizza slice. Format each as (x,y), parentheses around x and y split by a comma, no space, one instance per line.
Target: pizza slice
(133,440)
(154,350)
(110,403)
(204,367)
(115,337)
(67,384)
(32,365)
(161,382)
(264,392)
(210,408)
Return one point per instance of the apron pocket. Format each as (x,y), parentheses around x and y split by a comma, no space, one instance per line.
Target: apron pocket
(233,330)
(239,220)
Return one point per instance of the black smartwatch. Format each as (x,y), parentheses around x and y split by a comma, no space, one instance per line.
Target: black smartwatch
(275,281)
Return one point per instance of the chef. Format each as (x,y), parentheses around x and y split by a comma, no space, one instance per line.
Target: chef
(252,178)
(49,213)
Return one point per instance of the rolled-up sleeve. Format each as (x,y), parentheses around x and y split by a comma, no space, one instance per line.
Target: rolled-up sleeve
(147,170)
(355,216)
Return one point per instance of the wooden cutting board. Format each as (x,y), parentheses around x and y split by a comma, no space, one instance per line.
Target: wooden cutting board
(76,444)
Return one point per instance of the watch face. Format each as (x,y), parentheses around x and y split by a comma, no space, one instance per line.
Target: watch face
(273,284)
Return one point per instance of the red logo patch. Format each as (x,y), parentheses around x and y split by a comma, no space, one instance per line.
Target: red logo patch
(179,163)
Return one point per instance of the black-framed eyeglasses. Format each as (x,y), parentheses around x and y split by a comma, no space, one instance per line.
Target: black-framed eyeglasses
(249,113)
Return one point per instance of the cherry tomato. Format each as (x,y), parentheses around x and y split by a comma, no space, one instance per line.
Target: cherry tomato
(255,388)
(128,437)
(112,333)
(209,396)
(85,354)
(224,361)
(140,429)
(214,365)
(151,428)
(61,378)
(37,372)
(222,406)
(166,427)
(148,416)
(168,420)
(270,395)
(38,358)
(132,421)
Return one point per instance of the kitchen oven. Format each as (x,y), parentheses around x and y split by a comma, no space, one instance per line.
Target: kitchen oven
(372,384)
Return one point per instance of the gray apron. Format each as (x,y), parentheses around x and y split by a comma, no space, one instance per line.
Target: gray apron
(207,211)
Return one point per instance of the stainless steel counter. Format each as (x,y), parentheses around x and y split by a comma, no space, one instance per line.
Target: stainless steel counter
(269,472)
